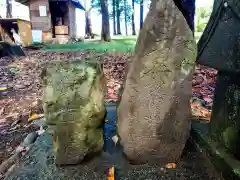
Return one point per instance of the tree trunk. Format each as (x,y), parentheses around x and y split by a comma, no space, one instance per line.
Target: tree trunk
(105,35)
(88,26)
(118,17)
(141,14)
(125,16)
(133,21)
(154,111)
(9,8)
(114,17)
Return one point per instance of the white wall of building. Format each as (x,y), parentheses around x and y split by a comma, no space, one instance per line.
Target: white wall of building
(18,10)
(80,22)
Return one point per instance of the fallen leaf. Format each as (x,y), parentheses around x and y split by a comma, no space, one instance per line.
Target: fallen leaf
(35,116)
(14,128)
(170,166)
(3,102)
(2,110)
(15,122)
(27,125)
(19,86)
(13,69)
(111,174)
(3,88)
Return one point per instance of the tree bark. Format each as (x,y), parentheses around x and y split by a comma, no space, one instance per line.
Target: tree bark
(105,35)
(9,8)
(118,17)
(114,17)
(133,22)
(88,26)
(141,14)
(125,16)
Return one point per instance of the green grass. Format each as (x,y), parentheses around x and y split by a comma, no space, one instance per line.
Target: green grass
(120,44)
(37,44)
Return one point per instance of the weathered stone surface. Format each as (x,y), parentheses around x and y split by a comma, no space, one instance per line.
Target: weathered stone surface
(154,112)
(225,124)
(38,164)
(74,108)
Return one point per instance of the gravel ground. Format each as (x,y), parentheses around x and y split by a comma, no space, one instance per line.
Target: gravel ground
(38,164)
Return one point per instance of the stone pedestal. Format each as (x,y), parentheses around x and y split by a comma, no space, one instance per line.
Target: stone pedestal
(225,120)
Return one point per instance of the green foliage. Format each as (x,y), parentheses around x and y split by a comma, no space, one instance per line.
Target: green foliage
(95,4)
(129,12)
(200,27)
(122,9)
(148,2)
(202,16)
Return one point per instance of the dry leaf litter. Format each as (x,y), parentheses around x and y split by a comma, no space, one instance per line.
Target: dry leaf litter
(21,90)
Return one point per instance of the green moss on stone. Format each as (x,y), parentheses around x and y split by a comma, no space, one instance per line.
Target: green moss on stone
(74,108)
(225,124)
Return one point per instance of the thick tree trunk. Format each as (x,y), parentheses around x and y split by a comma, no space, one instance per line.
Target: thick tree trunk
(118,17)
(88,26)
(125,16)
(9,8)
(105,35)
(114,17)
(154,111)
(141,14)
(133,19)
